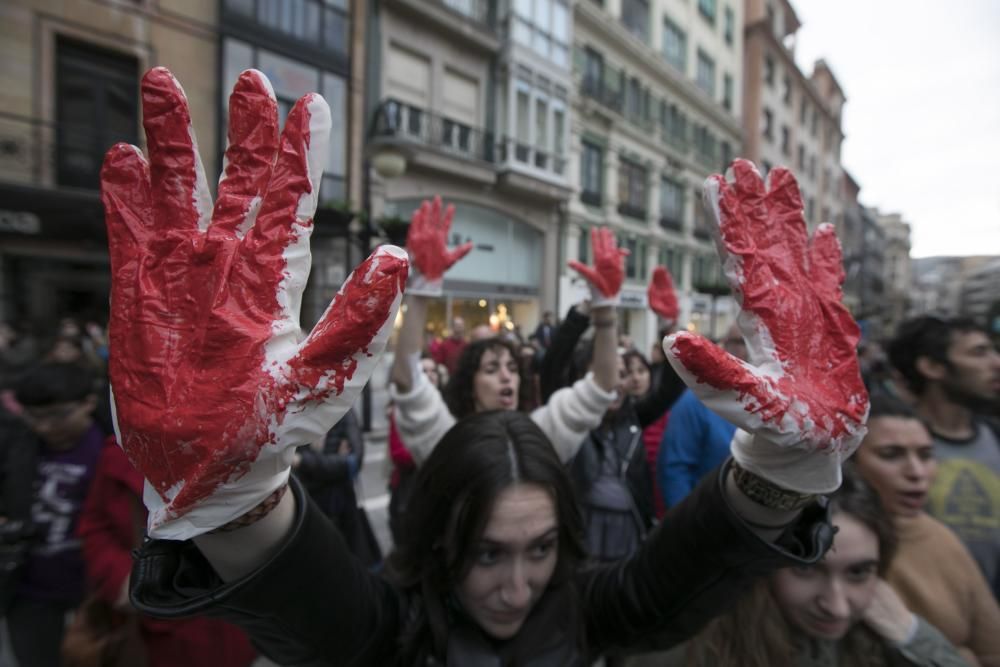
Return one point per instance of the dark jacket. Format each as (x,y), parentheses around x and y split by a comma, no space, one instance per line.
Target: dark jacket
(18,460)
(312,601)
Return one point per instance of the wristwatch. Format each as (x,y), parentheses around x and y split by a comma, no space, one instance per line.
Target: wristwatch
(766,493)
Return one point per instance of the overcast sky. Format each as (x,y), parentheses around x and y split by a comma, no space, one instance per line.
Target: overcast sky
(922,118)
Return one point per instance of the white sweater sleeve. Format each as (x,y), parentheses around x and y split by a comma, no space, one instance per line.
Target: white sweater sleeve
(421,417)
(571,413)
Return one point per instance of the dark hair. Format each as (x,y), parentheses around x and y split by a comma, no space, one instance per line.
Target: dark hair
(453,497)
(925,336)
(856,498)
(628,355)
(54,382)
(885,405)
(459,395)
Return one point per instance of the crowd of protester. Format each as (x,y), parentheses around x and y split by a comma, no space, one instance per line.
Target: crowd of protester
(558,499)
(918,518)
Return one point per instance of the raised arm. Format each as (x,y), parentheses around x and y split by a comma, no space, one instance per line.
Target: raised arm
(214,383)
(605,280)
(799,397)
(426,241)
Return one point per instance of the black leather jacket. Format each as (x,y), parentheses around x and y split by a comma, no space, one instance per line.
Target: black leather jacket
(311,603)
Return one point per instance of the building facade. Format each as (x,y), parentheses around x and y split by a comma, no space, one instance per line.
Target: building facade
(470,100)
(657,87)
(898,280)
(70,90)
(791,119)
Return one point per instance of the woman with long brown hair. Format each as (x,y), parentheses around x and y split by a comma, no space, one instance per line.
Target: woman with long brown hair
(839,611)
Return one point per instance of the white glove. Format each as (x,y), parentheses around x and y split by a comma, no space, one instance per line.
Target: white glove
(215,384)
(800,391)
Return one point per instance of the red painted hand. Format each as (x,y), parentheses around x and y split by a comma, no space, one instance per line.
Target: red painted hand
(213,383)
(427,243)
(801,387)
(661,295)
(608,273)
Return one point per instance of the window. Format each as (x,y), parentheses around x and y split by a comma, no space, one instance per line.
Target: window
(593,70)
(583,246)
(705,144)
(802,157)
(812,167)
(543,26)
(814,124)
(635,17)
(727,155)
(803,112)
(322,23)
(769,70)
(633,99)
(631,189)
(702,224)
(674,124)
(728,25)
(538,124)
(97,99)
(673,259)
(706,73)
(671,204)
(591,173)
(786,140)
(674,45)
(810,209)
(707,9)
(786,94)
(768,132)
(631,260)
(765,169)
(727,92)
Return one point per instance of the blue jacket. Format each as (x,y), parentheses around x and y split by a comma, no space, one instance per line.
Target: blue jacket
(696,441)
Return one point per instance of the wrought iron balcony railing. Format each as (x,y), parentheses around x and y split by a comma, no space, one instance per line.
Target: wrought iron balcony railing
(394,119)
(41,153)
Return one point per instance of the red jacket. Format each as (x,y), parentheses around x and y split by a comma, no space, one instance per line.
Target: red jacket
(107,528)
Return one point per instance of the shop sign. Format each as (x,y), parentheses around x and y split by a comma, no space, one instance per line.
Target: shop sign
(633,299)
(20,222)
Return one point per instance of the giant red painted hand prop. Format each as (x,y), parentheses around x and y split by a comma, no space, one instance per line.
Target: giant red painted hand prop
(800,392)
(214,383)
(605,278)
(662,297)
(427,243)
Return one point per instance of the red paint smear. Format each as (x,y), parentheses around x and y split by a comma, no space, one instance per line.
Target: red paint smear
(427,240)
(253,140)
(191,314)
(362,307)
(167,122)
(608,272)
(793,287)
(661,295)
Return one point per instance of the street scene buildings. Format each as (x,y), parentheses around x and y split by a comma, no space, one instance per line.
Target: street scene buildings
(538,119)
